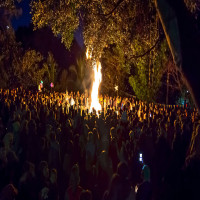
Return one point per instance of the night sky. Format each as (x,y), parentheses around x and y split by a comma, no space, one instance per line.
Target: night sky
(25,18)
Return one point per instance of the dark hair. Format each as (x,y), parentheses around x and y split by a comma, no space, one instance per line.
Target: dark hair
(122,169)
(86,195)
(42,165)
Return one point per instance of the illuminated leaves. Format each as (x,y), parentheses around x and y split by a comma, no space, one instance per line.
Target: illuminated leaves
(30,60)
(51,66)
(114,69)
(31,68)
(147,80)
(104,22)
(61,16)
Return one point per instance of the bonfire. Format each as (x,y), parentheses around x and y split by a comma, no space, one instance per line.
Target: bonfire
(95,87)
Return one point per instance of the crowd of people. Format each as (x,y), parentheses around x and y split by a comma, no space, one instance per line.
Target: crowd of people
(54,147)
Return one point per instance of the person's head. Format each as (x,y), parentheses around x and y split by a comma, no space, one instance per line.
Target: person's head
(24,126)
(58,131)
(29,168)
(44,169)
(74,176)
(51,114)
(123,170)
(112,132)
(86,195)
(95,133)
(131,135)
(86,129)
(177,127)
(53,176)
(8,140)
(90,137)
(32,127)
(28,115)
(8,192)
(53,136)
(146,173)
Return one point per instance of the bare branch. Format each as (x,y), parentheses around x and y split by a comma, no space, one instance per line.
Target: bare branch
(116,6)
(145,53)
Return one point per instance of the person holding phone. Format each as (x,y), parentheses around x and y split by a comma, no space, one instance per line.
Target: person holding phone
(144,191)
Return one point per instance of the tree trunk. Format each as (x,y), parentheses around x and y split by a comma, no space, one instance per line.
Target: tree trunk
(183,40)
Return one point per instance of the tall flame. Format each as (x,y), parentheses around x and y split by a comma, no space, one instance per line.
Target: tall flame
(95,87)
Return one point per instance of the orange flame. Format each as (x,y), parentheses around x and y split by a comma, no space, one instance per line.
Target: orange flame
(95,87)
(88,54)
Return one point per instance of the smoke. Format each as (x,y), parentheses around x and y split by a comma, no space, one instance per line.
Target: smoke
(88,79)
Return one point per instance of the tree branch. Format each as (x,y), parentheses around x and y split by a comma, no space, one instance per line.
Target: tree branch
(145,53)
(116,6)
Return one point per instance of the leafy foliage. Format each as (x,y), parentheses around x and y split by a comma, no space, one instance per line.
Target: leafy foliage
(81,67)
(104,22)
(111,22)
(51,65)
(32,67)
(9,49)
(62,85)
(115,69)
(61,16)
(3,74)
(147,80)
(29,70)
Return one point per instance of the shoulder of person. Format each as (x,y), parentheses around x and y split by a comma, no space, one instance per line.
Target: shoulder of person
(132,195)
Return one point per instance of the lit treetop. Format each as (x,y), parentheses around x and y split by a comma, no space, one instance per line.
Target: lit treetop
(104,22)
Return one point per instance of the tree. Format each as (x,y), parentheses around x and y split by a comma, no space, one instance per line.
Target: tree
(10,50)
(62,85)
(3,74)
(30,69)
(146,81)
(61,16)
(115,69)
(181,27)
(81,67)
(175,85)
(51,65)
(104,22)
